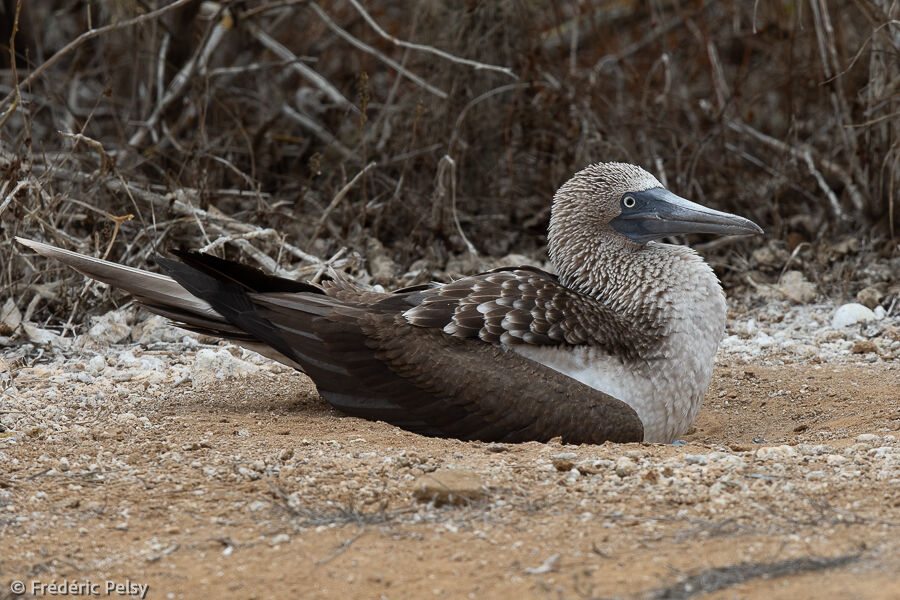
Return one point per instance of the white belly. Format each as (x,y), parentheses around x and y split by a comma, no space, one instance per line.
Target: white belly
(665,393)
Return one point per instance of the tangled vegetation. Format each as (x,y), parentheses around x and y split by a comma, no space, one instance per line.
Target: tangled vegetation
(298,135)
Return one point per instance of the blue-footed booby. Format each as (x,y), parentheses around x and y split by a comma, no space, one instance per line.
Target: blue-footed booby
(618,345)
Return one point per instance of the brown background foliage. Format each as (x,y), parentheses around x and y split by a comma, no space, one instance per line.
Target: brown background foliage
(785,112)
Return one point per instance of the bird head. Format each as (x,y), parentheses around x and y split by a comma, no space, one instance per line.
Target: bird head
(624,203)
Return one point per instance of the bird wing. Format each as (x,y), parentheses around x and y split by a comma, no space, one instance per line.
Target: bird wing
(369,361)
(527,306)
(433,360)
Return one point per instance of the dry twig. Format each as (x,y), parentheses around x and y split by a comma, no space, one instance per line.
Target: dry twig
(429,49)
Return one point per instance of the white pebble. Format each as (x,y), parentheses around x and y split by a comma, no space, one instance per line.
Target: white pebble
(110,328)
(775,452)
(96,365)
(850,314)
(220,364)
(625,466)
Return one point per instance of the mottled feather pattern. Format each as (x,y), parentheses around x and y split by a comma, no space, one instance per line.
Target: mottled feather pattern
(526,307)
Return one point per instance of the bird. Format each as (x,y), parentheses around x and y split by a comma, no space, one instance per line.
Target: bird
(617,345)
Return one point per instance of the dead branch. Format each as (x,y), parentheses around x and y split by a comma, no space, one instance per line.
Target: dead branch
(801,153)
(319,131)
(178,85)
(335,201)
(89,35)
(429,49)
(296,64)
(374,52)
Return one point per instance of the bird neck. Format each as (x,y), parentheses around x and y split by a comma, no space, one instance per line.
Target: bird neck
(650,285)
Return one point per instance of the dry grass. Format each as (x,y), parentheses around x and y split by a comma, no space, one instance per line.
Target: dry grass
(249,128)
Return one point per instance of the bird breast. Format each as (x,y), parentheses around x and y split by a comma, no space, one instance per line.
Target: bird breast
(667,389)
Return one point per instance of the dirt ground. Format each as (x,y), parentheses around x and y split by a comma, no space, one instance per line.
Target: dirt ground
(787,487)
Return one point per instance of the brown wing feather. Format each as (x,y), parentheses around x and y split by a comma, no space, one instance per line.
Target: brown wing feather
(525,307)
(505,397)
(368,361)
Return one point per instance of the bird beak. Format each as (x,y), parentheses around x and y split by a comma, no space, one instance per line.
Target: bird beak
(657,213)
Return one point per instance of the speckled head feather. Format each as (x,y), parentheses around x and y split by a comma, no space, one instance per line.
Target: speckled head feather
(579,219)
(593,193)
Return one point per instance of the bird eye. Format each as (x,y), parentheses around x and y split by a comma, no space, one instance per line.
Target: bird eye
(629,201)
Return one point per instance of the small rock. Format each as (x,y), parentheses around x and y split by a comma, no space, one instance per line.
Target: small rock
(36,335)
(546,567)
(864,347)
(110,328)
(381,267)
(449,486)
(564,461)
(845,246)
(563,464)
(156,329)
(10,317)
(763,339)
(281,538)
(775,452)
(248,474)
(872,295)
(851,314)
(220,364)
(64,464)
(496,448)
(769,256)
(625,466)
(810,450)
(695,459)
(286,454)
(96,365)
(796,288)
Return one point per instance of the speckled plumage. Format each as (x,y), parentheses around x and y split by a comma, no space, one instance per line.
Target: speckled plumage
(640,322)
(619,345)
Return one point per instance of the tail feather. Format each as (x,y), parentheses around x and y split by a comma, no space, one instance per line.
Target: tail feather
(249,278)
(160,294)
(143,285)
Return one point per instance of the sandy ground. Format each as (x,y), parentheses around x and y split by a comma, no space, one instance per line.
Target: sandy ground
(130,464)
